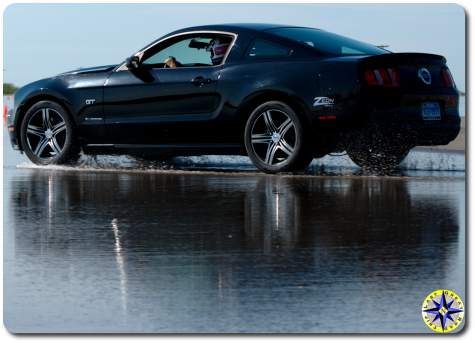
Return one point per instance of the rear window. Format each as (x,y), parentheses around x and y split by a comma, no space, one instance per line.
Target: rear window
(264,48)
(328,43)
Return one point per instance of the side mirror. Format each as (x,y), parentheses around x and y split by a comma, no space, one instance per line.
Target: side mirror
(133,62)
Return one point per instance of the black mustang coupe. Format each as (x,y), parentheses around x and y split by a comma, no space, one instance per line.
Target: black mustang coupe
(280,94)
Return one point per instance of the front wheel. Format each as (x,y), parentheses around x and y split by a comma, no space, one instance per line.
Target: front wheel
(276,140)
(47,134)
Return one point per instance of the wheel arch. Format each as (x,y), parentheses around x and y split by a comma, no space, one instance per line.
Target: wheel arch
(260,97)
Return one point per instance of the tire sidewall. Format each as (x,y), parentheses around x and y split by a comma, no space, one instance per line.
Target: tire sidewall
(291,163)
(70,138)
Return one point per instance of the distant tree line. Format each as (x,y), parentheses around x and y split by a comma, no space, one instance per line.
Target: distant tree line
(9,88)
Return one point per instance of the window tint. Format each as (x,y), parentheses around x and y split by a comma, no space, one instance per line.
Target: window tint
(328,43)
(263,48)
(190,52)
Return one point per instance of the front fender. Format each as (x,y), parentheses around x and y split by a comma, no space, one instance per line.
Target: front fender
(46,89)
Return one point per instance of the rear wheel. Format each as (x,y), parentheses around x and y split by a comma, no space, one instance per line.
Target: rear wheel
(276,140)
(48,135)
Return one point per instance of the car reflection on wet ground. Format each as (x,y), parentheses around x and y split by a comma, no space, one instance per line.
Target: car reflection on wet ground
(124,251)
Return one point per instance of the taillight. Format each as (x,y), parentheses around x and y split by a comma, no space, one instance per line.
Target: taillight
(5,111)
(447,77)
(384,77)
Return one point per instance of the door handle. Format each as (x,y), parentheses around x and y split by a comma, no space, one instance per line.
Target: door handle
(199,81)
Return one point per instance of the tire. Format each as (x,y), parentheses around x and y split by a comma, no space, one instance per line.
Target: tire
(48,135)
(377,157)
(276,140)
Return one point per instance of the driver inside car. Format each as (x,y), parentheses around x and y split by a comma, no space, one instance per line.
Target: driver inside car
(218,48)
(171,62)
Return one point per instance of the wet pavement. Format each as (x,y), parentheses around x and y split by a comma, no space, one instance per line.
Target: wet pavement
(199,251)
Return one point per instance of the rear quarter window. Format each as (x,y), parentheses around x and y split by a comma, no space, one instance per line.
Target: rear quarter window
(327,42)
(262,48)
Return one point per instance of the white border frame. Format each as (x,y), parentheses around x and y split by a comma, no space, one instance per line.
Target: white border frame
(468,333)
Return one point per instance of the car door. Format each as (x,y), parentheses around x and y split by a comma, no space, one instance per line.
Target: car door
(157,105)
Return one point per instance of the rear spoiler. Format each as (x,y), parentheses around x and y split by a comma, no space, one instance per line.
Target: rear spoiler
(409,57)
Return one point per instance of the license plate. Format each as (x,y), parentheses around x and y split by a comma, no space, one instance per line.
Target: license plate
(430,111)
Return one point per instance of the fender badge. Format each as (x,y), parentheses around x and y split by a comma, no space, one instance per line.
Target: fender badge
(323,101)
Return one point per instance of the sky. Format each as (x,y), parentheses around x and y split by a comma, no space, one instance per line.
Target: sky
(42,40)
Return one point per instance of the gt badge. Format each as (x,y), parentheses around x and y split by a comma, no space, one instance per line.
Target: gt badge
(90,101)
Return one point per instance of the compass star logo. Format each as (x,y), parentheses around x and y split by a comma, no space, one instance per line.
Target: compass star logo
(443,310)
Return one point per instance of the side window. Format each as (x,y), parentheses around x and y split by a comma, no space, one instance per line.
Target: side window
(196,51)
(264,48)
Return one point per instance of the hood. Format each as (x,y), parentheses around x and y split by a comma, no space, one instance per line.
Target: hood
(99,69)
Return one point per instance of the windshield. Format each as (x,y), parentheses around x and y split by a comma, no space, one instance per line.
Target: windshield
(328,43)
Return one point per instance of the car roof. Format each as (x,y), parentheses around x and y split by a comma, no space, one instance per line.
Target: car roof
(233,27)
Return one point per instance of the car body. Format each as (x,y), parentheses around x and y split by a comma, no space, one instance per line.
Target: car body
(344,93)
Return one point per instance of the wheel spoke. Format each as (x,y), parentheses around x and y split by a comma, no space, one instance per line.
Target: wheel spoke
(271,150)
(35,130)
(269,122)
(53,143)
(46,118)
(41,147)
(58,128)
(261,138)
(286,147)
(286,125)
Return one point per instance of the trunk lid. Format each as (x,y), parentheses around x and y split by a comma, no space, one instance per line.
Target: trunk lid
(416,71)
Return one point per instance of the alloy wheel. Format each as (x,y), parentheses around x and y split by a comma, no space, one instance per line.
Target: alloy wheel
(273,137)
(46,133)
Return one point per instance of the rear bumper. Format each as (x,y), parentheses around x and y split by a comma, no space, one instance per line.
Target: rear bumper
(400,115)
(392,114)
(422,133)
